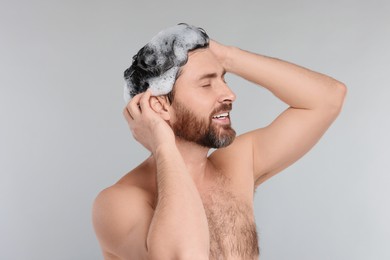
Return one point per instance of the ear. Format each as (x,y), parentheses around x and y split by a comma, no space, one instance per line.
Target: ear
(160,105)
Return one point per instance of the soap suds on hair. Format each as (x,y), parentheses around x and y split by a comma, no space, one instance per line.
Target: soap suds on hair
(163,84)
(156,65)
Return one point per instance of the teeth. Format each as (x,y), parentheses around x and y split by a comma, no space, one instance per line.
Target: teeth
(221,115)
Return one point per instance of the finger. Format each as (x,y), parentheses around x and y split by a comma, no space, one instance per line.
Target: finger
(132,106)
(127,114)
(144,101)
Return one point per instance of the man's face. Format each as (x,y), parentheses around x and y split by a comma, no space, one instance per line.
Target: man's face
(202,131)
(202,102)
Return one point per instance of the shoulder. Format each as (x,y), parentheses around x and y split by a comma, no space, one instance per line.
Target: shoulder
(133,189)
(241,148)
(121,216)
(116,205)
(236,161)
(118,194)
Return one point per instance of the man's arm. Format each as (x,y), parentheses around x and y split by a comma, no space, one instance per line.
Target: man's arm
(177,229)
(315,100)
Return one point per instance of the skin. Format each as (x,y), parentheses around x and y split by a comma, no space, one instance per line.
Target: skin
(170,205)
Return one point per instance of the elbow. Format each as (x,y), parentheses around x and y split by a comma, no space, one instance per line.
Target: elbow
(342,91)
(341,94)
(336,98)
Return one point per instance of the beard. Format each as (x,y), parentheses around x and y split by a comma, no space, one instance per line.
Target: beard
(202,131)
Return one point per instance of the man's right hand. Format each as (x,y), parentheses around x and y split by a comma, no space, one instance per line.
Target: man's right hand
(147,126)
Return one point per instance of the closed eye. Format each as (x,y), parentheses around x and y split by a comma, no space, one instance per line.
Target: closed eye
(205,83)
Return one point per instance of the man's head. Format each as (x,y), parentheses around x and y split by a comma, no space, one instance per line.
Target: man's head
(156,65)
(199,112)
(202,104)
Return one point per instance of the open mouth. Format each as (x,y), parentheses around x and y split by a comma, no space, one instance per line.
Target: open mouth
(222,118)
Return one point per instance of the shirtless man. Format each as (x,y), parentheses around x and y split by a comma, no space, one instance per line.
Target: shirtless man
(181,203)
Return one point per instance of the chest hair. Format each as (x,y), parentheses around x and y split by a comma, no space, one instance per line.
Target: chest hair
(231,224)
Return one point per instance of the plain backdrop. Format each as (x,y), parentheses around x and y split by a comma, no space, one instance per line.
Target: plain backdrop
(63,137)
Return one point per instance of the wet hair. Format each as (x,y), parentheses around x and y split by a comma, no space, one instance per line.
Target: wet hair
(157,64)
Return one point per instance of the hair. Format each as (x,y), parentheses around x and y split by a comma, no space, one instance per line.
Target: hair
(161,55)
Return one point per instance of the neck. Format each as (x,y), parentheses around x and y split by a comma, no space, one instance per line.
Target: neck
(195,158)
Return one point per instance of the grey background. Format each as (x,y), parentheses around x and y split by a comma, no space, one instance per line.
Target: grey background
(63,137)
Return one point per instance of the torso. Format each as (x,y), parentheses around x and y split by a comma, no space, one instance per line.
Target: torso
(228,203)
(231,223)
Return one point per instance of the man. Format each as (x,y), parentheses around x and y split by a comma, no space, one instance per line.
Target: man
(181,203)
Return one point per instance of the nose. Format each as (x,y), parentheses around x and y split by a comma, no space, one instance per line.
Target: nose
(226,95)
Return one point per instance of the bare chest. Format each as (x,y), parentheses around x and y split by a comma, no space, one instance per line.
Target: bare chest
(231,225)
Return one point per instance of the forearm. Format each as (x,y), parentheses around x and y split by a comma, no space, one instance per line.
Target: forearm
(294,85)
(179,227)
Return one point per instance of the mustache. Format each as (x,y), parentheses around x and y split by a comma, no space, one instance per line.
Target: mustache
(222,108)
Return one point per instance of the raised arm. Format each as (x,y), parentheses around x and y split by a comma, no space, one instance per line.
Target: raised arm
(315,101)
(177,228)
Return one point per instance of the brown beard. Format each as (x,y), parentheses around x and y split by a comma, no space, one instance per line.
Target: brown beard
(202,131)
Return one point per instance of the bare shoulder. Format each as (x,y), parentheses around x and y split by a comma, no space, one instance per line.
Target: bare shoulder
(127,196)
(241,149)
(236,160)
(121,217)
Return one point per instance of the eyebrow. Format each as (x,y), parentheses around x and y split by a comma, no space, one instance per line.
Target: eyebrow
(211,75)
